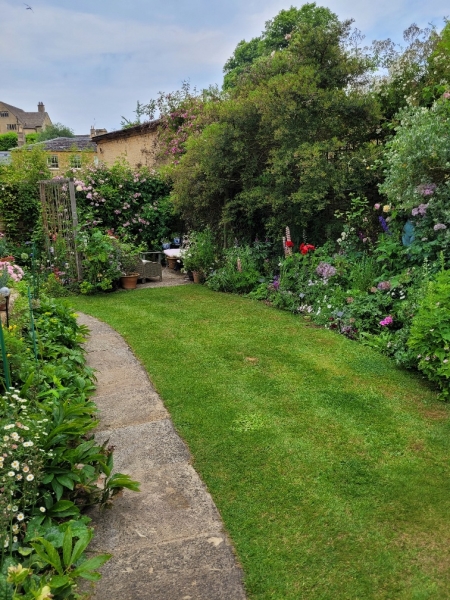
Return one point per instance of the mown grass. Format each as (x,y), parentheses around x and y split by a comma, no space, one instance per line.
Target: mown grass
(328,464)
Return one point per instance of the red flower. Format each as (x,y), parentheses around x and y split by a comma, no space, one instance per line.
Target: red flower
(290,244)
(305,248)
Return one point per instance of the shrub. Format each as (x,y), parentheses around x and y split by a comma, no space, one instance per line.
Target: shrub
(8,141)
(100,262)
(243,268)
(201,255)
(430,332)
(133,203)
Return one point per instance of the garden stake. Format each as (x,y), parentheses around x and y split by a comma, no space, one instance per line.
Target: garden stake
(33,331)
(4,358)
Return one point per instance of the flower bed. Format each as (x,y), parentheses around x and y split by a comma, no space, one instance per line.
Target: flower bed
(50,464)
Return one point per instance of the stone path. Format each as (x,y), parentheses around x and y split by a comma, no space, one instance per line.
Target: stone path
(168,540)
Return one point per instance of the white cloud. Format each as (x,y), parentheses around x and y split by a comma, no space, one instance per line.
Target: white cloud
(89,60)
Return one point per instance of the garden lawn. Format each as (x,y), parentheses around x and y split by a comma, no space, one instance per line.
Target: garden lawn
(328,464)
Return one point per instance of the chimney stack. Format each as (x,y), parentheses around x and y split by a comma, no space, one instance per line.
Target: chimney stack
(41,107)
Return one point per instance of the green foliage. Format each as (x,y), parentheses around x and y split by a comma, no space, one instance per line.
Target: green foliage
(128,256)
(8,141)
(275,36)
(19,193)
(47,419)
(31,138)
(243,267)
(101,267)
(201,255)
(430,332)
(417,179)
(291,141)
(54,131)
(417,74)
(363,273)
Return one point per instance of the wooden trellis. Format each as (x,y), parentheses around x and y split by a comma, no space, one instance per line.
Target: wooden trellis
(59,219)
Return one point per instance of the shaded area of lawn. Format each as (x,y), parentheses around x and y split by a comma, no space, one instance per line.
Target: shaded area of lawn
(328,464)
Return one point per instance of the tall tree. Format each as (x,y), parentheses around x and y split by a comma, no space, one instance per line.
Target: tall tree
(295,137)
(275,36)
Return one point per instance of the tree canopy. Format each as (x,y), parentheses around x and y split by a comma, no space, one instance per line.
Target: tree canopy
(294,137)
(54,131)
(275,36)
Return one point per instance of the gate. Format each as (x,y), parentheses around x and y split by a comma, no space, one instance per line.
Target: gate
(60,222)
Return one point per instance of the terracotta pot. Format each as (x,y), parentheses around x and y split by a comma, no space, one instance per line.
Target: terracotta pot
(172,262)
(198,276)
(129,282)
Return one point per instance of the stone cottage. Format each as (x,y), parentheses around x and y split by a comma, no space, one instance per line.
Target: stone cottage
(13,119)
(137,145)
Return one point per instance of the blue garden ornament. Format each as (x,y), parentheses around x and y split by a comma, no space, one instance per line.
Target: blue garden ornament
(408,233)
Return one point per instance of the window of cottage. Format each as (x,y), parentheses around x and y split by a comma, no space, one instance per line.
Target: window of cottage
(75,161)
(11,126)
(4,113)
(52,161)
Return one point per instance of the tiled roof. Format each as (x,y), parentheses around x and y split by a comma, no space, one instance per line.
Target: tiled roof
(67,144)
(128,131)
(27,119)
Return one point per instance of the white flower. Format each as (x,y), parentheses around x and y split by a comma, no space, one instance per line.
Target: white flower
(15,465)
(28,444)
(6,544)
(15,436)
(20,516)
(11,473)
(15,508)
(11,426)
(5,438)
(30,477)
(18,477)
(42,509)
(15,528)
(25,469)
(15,538)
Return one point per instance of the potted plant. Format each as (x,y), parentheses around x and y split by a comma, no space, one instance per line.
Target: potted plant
(200,256)
(128,260)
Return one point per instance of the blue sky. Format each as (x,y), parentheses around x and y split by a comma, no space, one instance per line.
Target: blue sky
(89,61)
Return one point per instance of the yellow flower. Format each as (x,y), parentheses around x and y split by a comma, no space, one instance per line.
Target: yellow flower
(44,593)
(386,208)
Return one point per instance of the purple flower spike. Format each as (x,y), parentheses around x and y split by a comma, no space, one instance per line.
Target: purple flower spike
(384,225)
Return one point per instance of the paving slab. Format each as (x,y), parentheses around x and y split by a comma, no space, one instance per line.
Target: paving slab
(143,405)
(167,541)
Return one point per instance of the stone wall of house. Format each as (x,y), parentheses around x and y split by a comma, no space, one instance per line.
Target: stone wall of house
(137,149)
(9,120)
(64,160)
